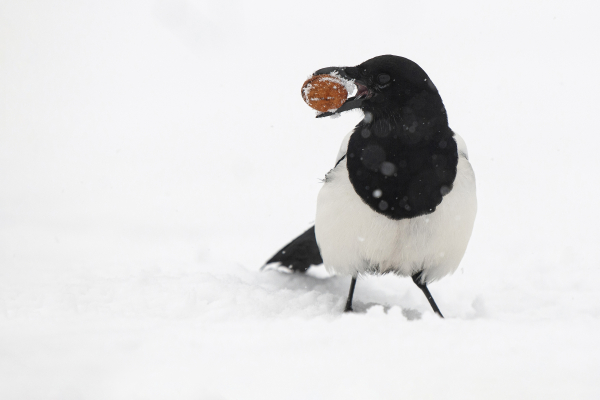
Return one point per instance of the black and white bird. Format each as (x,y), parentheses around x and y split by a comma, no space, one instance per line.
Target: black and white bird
(401,196)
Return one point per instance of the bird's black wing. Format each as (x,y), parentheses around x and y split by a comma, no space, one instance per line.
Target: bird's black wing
(300,253)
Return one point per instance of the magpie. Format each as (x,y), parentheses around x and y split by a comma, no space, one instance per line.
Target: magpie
(401,196)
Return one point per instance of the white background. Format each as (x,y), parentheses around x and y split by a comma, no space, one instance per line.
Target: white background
(154,154)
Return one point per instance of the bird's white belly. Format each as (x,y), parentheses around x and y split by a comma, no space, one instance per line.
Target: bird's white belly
(355,239)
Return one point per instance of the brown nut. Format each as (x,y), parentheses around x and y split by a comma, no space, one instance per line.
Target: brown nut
(324,92)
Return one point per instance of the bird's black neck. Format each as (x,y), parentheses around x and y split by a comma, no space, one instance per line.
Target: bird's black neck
(401,163)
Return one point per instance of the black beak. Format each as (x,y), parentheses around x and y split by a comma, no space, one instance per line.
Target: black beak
(352,102)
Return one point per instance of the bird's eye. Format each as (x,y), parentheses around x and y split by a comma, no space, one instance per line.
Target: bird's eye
(383,79)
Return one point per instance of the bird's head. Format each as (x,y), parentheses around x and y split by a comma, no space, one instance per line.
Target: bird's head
(387,84)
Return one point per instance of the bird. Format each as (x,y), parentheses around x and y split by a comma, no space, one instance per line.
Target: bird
(401,197)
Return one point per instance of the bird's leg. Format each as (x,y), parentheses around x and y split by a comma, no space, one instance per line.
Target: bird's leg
(350,294)
(423,286)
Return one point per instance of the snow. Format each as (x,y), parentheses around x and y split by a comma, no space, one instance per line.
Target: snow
(348,84)
(154,155)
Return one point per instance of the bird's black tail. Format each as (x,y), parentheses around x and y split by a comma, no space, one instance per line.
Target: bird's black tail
(300,253)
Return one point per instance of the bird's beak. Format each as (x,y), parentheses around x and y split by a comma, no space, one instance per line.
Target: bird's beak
(348,74)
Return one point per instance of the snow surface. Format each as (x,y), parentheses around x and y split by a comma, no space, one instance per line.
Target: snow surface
(154,154)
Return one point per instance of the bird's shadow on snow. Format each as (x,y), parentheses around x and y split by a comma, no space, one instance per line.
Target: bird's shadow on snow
(318,280)
(410,314)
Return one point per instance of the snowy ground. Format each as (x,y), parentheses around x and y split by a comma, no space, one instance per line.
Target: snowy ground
(154,154)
